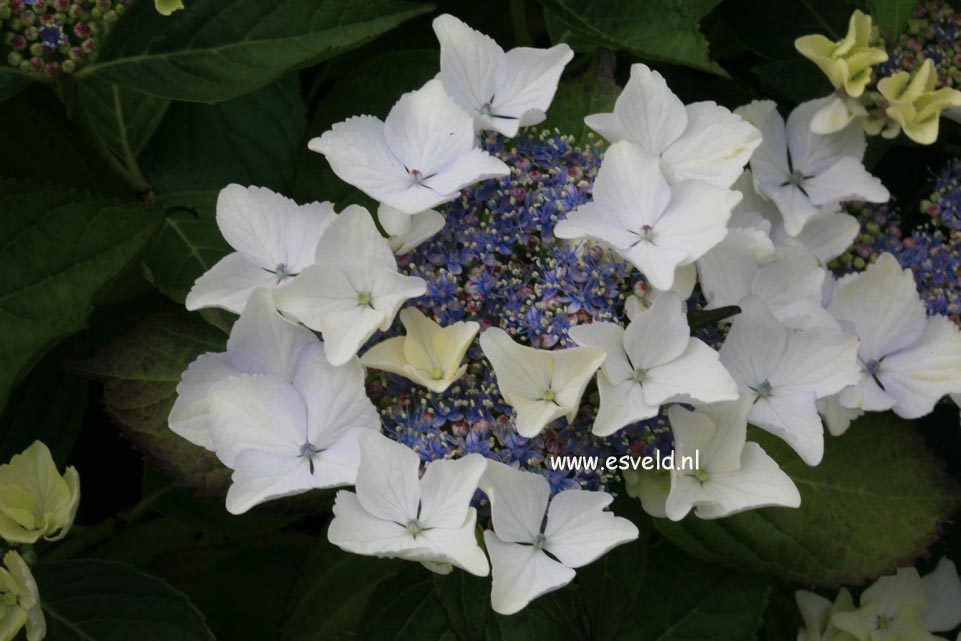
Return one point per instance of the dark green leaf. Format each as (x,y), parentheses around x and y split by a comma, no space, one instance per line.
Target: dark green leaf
(592,92)
(48,406)
(530,624)
(41,144)
(794,18)
(465,599)
(140,372)
(125,120)
(700,8)
(405,608)
(221,49)
(782,620)
(102,601)
(187,245)
(684,599)
(242,589)
(874,501)
(251,140)
(610,585)
(371,87)
(657,30)
(13,81)
(332,593)
(891,16)
(59,249)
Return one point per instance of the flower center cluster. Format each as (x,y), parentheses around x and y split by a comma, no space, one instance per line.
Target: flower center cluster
(497,262)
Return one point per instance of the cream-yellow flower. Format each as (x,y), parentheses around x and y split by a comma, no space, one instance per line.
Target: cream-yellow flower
(847,63)
(35,500)
(912,104)
(167,7)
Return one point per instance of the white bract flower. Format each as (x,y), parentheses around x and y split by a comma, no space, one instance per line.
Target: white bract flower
(578,531)
(502,91)
(422,155)
(653,224)
(282,438)
(653,362)
(429,355)
(261,342)
(541,385)
(789,281)
(805,173)
(700,141)
(891,609)
(407,231)
(730,474)
(396,514)
(826,236)
(785,371)
(816,612)
(352,290)
(907,360)
(275,239)
(943,587)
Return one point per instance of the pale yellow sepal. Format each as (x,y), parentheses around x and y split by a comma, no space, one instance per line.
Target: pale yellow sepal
(429,355)
(35,500)
(167,7)
(19,600)
(847,63)
(914,104)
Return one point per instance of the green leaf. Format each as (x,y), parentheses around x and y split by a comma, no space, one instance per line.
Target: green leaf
(60,248)
(102,601)
(370,87)
(657,30)
(465,599)
(891,16)
(332,592)
(13,81)
(221,49)
(251,140)
(592,92)
(405,608)
(610,585)
(683,599)
(41,144)
(242,588)
(48,406)
(795,78)
(775,40)
(188,244)
(530,624)
(874,502)
(125,120)
(140,371)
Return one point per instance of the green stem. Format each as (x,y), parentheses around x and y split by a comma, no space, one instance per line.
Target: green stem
(522,35)
(82,540)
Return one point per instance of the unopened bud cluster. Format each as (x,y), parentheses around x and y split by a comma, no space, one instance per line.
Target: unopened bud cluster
(56,36)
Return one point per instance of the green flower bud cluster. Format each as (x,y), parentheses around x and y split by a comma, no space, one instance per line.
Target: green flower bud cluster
(55,36)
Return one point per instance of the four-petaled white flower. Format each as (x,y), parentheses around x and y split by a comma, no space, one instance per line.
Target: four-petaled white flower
(275,239)
(731,475)
(805,173)
(541,385)
(701,141)
(261,342)
(283,438)
(578,531)
(785,371)
(502,91)
(429,355)
(653,224)
(907,360)
(422,155)
(790,281)
(352,290)
(396,514)
(653,362)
